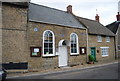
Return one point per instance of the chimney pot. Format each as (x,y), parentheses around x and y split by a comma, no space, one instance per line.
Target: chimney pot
(118,17)
(97,18)
(69,9)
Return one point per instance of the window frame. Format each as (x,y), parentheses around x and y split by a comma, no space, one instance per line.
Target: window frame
(99,38)
(107,39)
(77,44)
(106,52)
(53,43)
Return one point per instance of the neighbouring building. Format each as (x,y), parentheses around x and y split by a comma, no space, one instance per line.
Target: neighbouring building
(40,37)
(100,40)
(14,35)
(115,28)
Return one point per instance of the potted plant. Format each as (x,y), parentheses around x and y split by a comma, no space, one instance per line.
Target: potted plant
(91,59)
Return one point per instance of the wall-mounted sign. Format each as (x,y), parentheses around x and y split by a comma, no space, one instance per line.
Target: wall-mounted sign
(35,51)
(82,50)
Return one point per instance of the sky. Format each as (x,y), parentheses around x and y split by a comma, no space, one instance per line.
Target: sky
(106,9)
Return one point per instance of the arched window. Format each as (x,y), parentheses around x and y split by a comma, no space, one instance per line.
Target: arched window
(74,44)
(48,43)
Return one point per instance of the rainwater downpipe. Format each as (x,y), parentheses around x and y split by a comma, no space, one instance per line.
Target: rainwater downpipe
(87,45)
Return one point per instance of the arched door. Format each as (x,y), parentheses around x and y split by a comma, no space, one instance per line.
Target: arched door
(63,53)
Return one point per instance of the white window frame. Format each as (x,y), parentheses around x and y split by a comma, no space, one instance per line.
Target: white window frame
(53,44)
(105,50)
(118,48)
(99,37)
(107,39)
(77,44)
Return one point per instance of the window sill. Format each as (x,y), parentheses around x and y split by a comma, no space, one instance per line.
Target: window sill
(48,55)
(99,41)
(107,41)
(74,54)
(105,56)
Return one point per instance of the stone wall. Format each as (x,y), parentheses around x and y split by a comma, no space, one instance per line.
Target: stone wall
(14,24)
(35,39)
(93,42)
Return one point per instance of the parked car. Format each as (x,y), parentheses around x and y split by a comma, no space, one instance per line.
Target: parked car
(3,73)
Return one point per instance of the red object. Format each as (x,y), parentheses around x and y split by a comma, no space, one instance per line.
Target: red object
(118,17)
(97,18)
(69,9)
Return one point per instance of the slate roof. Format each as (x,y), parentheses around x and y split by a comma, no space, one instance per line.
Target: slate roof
(43,14)
(113,26)
(95,27)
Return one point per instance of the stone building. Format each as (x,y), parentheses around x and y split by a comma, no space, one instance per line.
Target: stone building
(57,35)
(40,37)
(115,28)
(100,40)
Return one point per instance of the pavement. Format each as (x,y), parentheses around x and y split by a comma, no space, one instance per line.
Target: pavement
(20,73)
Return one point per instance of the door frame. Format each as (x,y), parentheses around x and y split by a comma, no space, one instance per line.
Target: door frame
(94,53)
(63,43)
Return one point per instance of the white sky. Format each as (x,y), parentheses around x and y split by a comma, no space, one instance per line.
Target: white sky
(106,9)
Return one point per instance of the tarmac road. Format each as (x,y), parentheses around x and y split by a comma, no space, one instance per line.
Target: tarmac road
(109,71)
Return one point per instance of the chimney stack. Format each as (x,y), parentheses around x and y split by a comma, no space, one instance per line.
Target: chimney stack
(97,18)
(118,17)
(69,9)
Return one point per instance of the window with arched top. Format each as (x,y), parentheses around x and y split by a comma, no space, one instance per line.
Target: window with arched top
(74,44)
(48,43)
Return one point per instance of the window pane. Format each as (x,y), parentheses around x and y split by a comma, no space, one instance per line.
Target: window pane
(46,51)
(50,44)
(75,50)
(50,34)
(46,45)
(72,51)
(73,45)
(50,51)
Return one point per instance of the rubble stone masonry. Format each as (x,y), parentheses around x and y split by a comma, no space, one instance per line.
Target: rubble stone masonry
(93,42)
(35,39)
(14,23)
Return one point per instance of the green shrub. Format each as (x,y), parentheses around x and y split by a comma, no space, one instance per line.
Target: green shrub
(91,58)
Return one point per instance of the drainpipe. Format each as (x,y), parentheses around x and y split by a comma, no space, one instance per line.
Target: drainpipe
(87,46)
(116,45)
